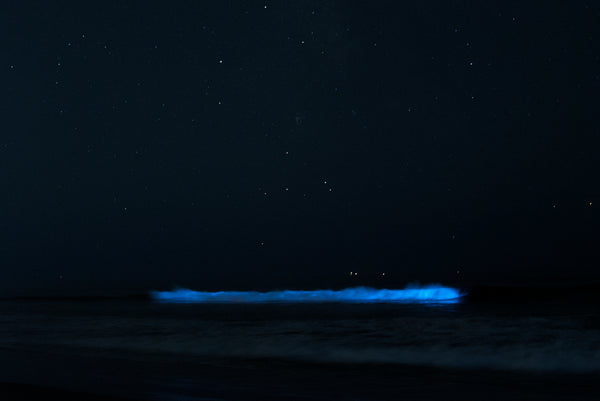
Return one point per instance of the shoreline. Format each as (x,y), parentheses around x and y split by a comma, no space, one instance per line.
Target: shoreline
(131,378)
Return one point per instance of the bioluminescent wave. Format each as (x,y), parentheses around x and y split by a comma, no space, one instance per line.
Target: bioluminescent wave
(423,294)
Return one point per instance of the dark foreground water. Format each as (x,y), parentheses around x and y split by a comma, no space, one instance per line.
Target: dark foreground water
(319,351)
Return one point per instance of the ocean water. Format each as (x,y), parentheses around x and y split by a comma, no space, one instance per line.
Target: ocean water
(165,351)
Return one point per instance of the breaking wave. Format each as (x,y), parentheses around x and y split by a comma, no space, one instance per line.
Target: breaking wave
(424,294)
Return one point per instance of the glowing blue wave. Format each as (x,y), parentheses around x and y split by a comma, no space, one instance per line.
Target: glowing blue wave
(424,294)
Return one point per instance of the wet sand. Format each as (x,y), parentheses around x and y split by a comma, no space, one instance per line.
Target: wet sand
(154,377)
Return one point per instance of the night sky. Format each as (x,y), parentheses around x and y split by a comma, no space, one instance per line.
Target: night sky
(283,144)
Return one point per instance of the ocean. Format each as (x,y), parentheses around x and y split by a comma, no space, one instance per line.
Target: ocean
(139,348)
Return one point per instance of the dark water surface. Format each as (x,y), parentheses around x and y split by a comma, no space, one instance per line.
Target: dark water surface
(147,350)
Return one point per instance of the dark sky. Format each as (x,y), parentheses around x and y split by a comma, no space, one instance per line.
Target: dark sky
(253,144)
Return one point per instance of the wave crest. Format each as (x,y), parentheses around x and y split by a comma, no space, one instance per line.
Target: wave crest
(433,293)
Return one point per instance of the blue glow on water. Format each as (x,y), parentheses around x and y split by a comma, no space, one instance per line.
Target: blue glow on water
(412,294)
